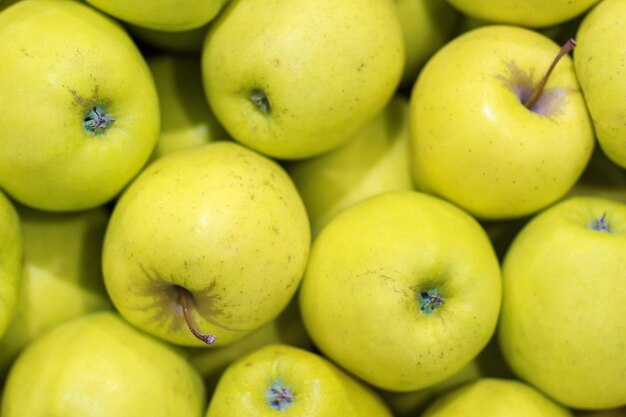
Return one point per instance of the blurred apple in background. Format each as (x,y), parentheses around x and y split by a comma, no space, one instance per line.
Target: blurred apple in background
(564,302)
(11,251)
(62,276)
(281,379)
(374,161)
(296,79)
(485,136)
(186,118)
(600,63)
(99,365)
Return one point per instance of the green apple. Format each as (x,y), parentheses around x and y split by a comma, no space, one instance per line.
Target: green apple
(487,135)
(293,79)
(374,161)
(212,239)
(288,381)
(402,290)
(99,366)
(11,250)
(62,276)
(492,397)
(530,13)
(79,113)
(162,14)
(188,42)
(600,61)
(186,119)
(426,26)
(564,303)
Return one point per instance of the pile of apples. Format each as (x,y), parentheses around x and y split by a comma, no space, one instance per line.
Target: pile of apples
(315,208)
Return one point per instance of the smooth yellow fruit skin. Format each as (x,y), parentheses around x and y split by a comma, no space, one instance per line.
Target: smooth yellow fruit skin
(564,303)
(368,266)
(100,366)
(600,60)
(320,388)
(475,144)
(58,59)
(327,68)
(374,161)
(162,14)
(11,251)
(492,397)
(221,221)
(186,118)
(529,13)
(62,276)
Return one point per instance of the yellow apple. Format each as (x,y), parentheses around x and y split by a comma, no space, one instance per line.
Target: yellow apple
(294,79)
(79,112)
(402,290)
(11,251)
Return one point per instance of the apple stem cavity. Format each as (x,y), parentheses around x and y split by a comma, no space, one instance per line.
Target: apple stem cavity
(260,100)
(565,49)
(185,301)
(96,120)
(430,301)
(601,225)
(279,396)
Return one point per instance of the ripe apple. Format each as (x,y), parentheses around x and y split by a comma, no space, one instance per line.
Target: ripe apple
(186,119)
(600,62)
(493,397)
(99,365)
(285,380)
(374,161)
(162,14)
(212,239)
(485,133)
(530,13)
(294,79)
(564,303)
(79,113)
(402,290)
(62,276)
(11,251)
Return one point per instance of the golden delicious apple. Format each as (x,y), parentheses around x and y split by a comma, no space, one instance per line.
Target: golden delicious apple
(79,113)
(100,366)
(600,62)
(487,135)
(186,119)
(402,290)
(62,276)
(294,79)
(11,251)
(564,303)
(492,397)
(288,381)
(374,161)
(212,239)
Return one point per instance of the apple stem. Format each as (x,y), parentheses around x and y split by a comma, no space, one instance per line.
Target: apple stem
(185,300)
(96,120)
(565,49)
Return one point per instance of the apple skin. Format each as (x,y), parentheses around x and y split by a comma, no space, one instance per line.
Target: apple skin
(186,118)
(162,14)
(360,297)
(564,300)
(62,276)
(60,59)
(493,397)
(11,252)
(374,161)
(294,79)
(600,60)
(528,13)
(98,365)
(472,140)
(220,221)
(320,389)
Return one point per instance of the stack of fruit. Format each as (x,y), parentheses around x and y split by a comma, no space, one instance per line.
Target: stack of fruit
(229,208)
